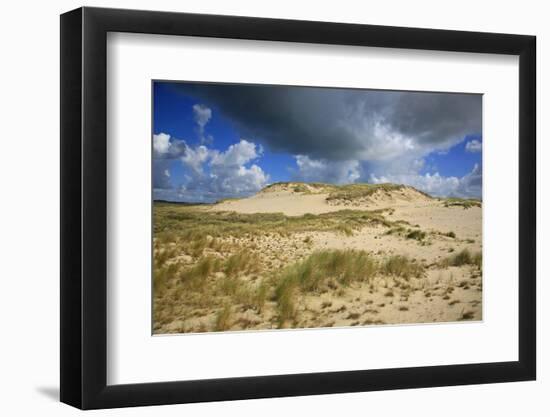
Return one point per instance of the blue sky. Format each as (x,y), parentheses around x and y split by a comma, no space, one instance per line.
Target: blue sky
(214,141)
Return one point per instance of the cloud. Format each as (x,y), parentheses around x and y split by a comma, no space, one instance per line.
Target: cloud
(320,170)
(473,146)
(229,174)
(469,185)
(237,154)
(343,124)
(166,147)
(161,175)
(210,174)
(202,115)
(335,135)
(165,150)
(161,143)
(195,157)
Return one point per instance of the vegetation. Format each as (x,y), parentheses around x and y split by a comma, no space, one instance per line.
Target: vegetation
(401,266)
(466,203)
(416,235)
(356,191)
(223,318)
(181,224)
(464,257)
(329,269)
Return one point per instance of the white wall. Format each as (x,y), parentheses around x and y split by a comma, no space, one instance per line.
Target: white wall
(29,223)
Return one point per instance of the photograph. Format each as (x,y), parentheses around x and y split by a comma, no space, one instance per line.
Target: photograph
(293,207)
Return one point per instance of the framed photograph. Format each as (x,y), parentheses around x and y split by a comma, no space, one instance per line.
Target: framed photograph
(257,208)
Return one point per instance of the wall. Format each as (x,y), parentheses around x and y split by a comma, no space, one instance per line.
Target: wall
(29,222)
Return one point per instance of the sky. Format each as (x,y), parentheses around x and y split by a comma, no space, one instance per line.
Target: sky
(213,141)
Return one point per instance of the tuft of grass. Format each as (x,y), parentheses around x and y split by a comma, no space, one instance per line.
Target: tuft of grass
(343,266)
(344,229)
(260,297)
(162,275)
(317,273)
(242,262)
(464,257)
(285,295)
(300,188)
(401,266)
(450,234)
(223,319)
(416,235)
(163,255)
(196,276)
(396,230)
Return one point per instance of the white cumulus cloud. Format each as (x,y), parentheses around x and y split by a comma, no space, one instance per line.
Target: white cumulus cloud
(437,185)
(211,174)
(320,170)
(167,147)
(473,146)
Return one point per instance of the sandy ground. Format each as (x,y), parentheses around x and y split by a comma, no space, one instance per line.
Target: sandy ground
(443,294)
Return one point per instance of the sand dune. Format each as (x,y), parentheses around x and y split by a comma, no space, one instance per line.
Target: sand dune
(438,240)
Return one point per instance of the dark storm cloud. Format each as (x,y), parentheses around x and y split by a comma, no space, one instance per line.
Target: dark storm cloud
(343,124)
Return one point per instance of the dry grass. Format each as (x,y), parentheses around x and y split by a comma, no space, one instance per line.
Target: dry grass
(466,203)
(401,266)
(416,235)
(194,231)
(464,257)
(223,319)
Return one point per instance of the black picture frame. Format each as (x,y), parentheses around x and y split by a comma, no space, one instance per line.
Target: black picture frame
(84,207)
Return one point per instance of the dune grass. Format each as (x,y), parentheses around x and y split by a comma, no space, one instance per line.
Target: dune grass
(464,257)
(223,318)
(402,266)
(199,230)
(355,191)
(330,269)
(242,262)
(416,235)
(316,273)
(300,187)
(465,203)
